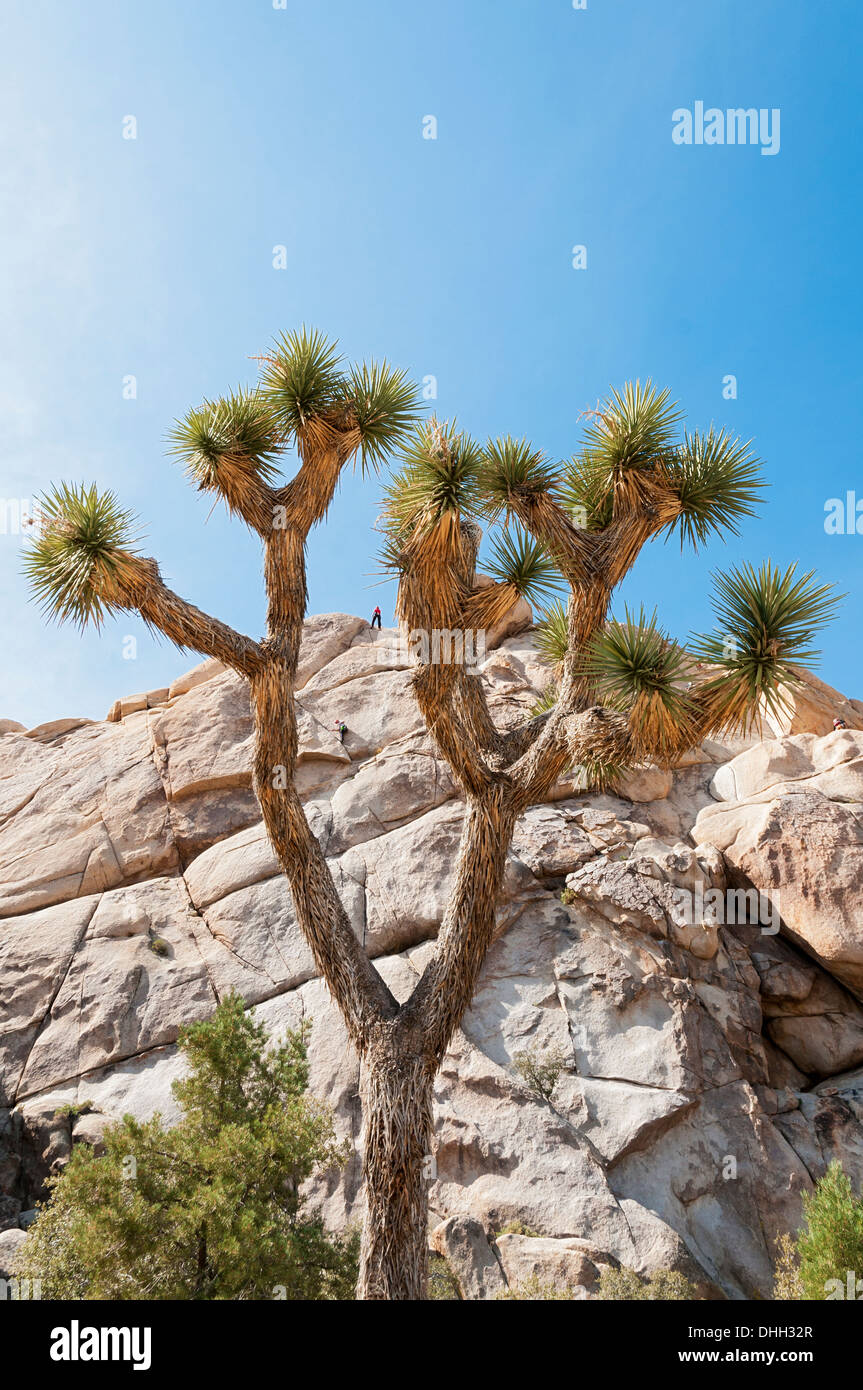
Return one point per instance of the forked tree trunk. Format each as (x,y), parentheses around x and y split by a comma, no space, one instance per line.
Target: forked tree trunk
(396,1095)
(400,1047)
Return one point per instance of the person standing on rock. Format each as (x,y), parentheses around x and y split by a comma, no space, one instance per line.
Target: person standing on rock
(376,618)
(341,729)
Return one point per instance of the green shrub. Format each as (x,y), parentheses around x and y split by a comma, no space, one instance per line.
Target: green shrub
(159,946)
(535,1291)
(73,1109)
(816,1265)
(625,1286)
(517,1228)
(568,897)
(442,1283)
(540,1070)
(208,1209)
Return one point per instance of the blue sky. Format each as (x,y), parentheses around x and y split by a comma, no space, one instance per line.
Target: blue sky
(303,127)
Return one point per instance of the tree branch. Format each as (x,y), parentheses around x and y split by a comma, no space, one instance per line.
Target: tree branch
(188,627)
(144,591)
(355,984)
(444,992)
(325,447)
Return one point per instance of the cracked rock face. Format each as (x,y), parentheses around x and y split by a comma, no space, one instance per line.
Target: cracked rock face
(702,1067)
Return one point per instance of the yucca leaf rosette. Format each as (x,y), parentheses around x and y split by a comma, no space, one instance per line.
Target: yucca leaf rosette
(82,563)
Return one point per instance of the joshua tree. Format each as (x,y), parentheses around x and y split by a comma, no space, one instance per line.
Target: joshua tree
(625,692)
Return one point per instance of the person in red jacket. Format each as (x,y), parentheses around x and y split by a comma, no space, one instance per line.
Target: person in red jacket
(376,617)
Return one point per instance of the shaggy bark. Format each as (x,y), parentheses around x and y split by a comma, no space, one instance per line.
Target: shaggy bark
(396,1089)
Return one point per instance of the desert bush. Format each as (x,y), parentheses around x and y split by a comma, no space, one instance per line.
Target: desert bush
(210,1208)
(534,1290)
(442,1283)
(786,1280)
(540,1070)
(816,1265)
(625,1286)
(517,1228)
(73,1110)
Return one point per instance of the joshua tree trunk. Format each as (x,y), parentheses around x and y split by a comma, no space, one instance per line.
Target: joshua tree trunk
(396,1094)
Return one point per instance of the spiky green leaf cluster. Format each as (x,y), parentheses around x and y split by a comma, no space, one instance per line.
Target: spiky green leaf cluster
(386,408)
(546,700)
(552,633)
(767,622)
(512,467)
(305,378)
(716,477)
(525,564)
(636,668)
(632,428)
(83,543)
(598,774)
(635,657)
(718,480)
(302,377)
(585,492)
(238,431)
(439,475)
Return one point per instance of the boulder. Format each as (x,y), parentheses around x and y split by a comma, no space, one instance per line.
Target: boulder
(81,818)
(816,1023)
(465,1247)
(371,652)
(573,1264)
(832,765)
(400,784)
(325,636)
(36,951)
(55,729)
(203,742)
(804,853)
(90,1129)
(812,706)
(134,977)
(378,709)
(204,671)
(10,1246)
